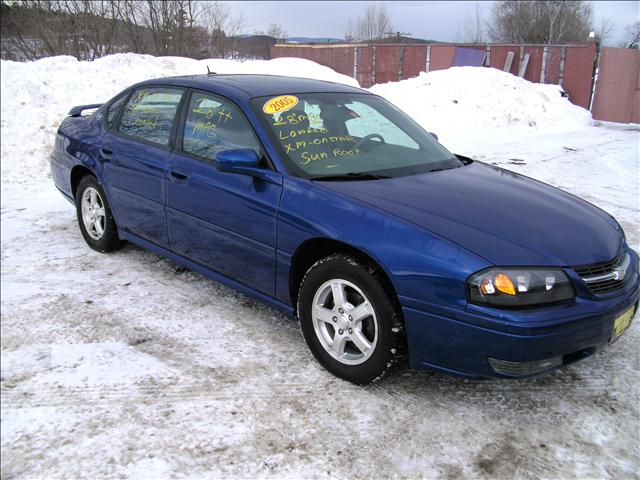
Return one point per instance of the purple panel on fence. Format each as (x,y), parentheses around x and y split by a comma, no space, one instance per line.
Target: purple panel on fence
(468,57)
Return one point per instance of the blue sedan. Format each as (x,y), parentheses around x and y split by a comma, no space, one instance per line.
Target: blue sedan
(330,204)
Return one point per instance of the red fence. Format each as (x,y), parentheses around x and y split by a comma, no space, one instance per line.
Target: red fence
(617,94)
(570,66)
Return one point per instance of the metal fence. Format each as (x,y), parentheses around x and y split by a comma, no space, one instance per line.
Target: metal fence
(571,66)
(617,92)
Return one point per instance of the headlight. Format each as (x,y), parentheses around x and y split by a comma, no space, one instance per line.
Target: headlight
(519,287)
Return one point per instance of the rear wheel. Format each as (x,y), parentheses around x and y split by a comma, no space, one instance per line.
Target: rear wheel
(348,320)
(95,218)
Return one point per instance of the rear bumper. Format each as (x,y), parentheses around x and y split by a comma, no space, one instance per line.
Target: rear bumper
(463,345)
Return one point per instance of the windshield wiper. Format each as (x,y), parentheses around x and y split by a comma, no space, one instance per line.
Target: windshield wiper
(351,176)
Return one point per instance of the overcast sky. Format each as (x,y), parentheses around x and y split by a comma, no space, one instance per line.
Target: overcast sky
(433,20)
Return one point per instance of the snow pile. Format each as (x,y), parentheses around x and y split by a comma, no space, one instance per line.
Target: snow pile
(36,96)
(463,101)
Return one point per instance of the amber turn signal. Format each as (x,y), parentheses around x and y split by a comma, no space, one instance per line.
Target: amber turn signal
(504,284)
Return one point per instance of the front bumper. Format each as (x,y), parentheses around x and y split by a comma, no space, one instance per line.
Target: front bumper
(463,342)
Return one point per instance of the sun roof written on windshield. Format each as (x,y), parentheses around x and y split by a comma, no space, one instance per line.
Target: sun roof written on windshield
(335,134)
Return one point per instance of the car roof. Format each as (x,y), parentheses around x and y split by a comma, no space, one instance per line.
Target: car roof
(246,86)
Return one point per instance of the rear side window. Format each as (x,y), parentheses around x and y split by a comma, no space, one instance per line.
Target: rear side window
(150,114)
(114,109)
(215,124)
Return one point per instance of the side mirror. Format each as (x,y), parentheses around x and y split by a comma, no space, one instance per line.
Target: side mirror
(245,161)
(242,160)
(434,135)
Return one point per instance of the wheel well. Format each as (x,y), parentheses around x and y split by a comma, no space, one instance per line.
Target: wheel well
(77,173)
(316,249)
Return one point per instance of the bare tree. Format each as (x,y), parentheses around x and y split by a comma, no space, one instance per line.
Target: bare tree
(553,21)
(222,25)
(474,27)
(276,31)
(631,36)
(604,30)
(374,25)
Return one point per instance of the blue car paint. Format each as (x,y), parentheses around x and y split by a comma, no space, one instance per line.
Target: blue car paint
(427,232)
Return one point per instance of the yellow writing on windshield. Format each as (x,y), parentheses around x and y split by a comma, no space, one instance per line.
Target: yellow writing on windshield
(296,119)
(299,132)
(303,144)
(308,157)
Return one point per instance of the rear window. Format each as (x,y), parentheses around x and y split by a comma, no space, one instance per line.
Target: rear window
(114,109)
(150,113)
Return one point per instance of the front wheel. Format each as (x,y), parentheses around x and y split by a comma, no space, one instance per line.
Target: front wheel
(348,320)
(95,218)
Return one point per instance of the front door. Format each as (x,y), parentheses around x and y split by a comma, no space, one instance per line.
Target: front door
(224,221)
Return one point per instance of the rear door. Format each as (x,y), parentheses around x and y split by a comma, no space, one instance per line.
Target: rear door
(135,155)
(224,221)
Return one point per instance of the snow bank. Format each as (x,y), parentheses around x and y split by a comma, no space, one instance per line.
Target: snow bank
(471,101)
(36,96)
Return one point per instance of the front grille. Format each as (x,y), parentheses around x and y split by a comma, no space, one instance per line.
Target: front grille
(604,285)
(596,269)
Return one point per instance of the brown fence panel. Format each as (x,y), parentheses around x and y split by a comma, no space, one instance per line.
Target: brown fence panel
(342,60)
(499,56)
(441,57)
(365,67)
(635,112)
(552,71)
(387,63)
(534,67)
(617,95)
(414,60)
(578,69)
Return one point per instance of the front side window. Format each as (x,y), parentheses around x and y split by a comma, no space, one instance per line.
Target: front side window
(150,114)
(348,135)
(214,124)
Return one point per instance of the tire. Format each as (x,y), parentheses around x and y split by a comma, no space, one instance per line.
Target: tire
(359,337)
(95,218)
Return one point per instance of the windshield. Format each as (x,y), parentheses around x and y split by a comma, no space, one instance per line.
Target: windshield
(351,136)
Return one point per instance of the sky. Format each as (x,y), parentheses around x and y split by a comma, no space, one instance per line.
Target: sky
(435,20)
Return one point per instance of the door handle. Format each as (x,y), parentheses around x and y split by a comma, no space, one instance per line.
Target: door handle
(179,175)
(106,153)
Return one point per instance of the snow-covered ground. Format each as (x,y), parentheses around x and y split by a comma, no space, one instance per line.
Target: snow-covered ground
(126,365)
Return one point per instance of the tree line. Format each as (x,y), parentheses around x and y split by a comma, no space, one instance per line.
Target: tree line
(89,29)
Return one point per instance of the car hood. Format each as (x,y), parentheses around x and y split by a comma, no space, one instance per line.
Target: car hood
(506,218)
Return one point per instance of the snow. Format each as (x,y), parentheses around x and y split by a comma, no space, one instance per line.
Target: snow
(125,365)
(477,102)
